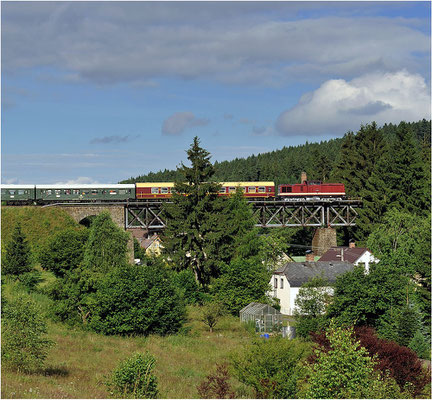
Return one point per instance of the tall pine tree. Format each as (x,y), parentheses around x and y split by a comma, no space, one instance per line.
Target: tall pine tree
(16,260)
(194,230)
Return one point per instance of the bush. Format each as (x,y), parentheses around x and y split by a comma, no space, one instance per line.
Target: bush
(188,287)
(402,363)
(24,347)
(64,251)
(216,385)
(30,280)
(134,378)
(271,367)
(137,300)
(342,368)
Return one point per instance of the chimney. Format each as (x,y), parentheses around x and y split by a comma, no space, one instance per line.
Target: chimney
(310,256)
(303,177)
(351,244)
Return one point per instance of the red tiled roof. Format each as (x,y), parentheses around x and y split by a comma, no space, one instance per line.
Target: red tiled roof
(349,254)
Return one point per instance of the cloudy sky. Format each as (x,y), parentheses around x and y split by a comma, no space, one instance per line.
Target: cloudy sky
(102,91)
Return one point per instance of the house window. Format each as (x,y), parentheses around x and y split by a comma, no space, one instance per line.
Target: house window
(281,286)
(275,283)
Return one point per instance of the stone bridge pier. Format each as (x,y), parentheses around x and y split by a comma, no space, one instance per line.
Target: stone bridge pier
(117,213)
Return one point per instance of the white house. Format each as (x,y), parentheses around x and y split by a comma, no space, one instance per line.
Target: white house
(287,280)
(352,254)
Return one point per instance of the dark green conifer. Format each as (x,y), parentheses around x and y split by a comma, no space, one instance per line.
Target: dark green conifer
(16,260)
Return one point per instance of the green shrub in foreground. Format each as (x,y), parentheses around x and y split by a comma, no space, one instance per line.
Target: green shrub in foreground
(24,348)
(134,378)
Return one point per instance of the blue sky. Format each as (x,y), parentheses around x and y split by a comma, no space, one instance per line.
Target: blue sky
(97,92)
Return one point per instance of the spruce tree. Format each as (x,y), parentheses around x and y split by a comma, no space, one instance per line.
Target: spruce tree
(398,180)
(16,260)
(194,231)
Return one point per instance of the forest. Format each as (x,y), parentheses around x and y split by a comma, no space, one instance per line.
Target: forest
(169,328)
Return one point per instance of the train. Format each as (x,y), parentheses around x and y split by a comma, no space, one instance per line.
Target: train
(43,194)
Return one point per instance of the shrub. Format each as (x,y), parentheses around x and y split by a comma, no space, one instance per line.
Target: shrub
(17,256)
(211,313)
(134,378)
(420,345)
(24,347)
(137,300)
(216,385)
(342,368)
(64,251)
(188,287)
(30,280)
(271,367)
(402,363)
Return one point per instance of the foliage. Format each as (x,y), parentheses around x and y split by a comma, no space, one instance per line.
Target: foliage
(24,347)
(242,282)
(344,369)
(420,345)
(271,367)
(134,378)
(401,363)
(188,288)
(64,251)
(16,260)
(137,300)
(211,313)
(362,299)
(216,385)
(194,230)
(106,246)
(273,246)
(30,280)
(310,306)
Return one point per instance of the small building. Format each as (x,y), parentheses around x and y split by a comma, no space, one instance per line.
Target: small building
(153,245)
(352,254)
(266,318)
(287,280)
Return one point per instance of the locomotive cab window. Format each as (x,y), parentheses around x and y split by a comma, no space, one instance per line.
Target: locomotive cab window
(155,190)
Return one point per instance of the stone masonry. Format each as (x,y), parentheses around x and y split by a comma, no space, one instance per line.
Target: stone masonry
(324,239)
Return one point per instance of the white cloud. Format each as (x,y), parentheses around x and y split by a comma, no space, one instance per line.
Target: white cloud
(180,121)
(78,181)
(338,106)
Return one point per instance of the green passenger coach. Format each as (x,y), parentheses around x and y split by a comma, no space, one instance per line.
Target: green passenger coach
(18,193)
(85,192)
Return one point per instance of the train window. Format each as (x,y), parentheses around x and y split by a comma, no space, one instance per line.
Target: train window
(3,192)
(112,192)
(252,189)
(261,189)
(223,190)
(57,192)
(76,191)
(283,189)
(243,188)
(11,191)
(155,190)
(21,191)
(84,192)
(231,189)
(48,192)
(67,192)
(94,191)
(122,191)
(164,190)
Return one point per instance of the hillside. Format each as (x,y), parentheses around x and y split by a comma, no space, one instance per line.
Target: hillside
(286,164)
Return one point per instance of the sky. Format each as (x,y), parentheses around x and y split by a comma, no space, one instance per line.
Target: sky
(97,92)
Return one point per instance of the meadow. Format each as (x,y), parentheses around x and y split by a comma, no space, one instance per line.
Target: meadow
(80,362)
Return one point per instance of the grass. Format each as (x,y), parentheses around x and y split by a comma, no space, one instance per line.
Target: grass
(80,362)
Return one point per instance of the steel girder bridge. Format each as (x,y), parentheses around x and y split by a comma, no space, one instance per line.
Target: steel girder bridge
(268,213)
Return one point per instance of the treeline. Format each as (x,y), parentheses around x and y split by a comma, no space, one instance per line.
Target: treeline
(319,160)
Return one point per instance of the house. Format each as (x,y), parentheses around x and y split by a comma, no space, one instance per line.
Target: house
(287,280)
(153,245)
(352,254)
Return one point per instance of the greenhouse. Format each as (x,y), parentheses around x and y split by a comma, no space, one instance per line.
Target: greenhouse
(265,317)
